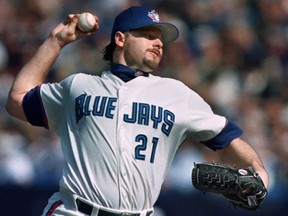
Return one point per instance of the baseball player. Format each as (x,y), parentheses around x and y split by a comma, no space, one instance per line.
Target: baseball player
(120,131)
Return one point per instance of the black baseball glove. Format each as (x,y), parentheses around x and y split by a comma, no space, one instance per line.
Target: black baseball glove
(242,187)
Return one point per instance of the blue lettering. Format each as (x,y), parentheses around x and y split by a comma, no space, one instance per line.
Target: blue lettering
(142,139)
(143,114)
(110,108)
(156,118)
(131,119)
(87,111)
(99,107)
(169,119)
(79,107)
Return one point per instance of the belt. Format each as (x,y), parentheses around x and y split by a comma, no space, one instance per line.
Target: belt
(87,209)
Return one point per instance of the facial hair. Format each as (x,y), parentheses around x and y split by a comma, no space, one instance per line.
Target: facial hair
(150,64)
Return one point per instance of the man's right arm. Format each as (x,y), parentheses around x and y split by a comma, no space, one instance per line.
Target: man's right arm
(31,75)
(36,70)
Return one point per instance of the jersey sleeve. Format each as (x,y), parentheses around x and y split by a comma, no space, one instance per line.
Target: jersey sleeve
(33,108)
(44,105)
(54,98)
(213,130)
(229,132)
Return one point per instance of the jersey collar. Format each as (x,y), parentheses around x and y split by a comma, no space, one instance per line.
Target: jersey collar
(125,73)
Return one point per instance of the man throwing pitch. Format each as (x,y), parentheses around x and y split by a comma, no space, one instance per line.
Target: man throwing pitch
(120,131)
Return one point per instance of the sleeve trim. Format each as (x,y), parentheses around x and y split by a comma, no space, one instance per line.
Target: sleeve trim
(34,109)
(230,132)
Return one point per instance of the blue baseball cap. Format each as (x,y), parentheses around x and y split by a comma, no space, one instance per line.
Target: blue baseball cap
(137,17)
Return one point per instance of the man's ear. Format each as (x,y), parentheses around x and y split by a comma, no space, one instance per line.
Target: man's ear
(119,39)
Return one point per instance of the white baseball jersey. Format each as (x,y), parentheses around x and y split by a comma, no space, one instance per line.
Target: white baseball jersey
(119,138)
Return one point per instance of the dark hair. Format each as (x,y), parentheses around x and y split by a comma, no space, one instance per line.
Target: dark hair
(108,52)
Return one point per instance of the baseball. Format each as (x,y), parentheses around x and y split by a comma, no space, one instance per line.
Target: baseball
(86,22)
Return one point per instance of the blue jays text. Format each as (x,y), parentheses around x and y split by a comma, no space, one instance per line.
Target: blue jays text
(141,114)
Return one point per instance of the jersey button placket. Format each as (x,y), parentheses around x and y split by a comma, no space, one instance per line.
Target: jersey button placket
(124,145)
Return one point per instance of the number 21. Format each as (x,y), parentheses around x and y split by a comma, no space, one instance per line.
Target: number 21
(139,149)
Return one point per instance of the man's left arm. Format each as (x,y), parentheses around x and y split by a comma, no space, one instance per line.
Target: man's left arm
(239,153)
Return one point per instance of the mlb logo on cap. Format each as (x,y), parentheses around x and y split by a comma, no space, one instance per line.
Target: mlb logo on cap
(137,17)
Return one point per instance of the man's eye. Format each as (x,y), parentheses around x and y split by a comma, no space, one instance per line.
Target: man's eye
(150,36)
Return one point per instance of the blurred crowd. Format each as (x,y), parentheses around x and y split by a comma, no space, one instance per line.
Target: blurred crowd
(234,53)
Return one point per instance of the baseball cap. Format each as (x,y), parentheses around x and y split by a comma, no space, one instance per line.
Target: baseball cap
(137,17)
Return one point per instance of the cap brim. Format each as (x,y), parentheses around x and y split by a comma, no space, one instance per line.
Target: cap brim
(169,31)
